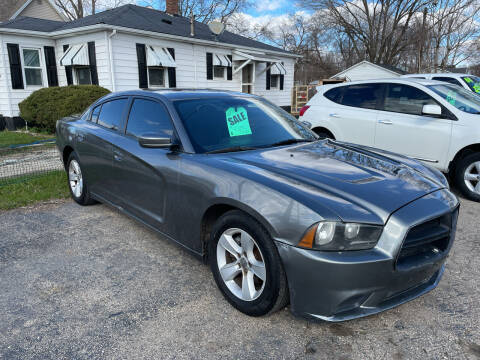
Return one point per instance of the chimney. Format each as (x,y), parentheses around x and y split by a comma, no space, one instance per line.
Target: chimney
(172,7)
(192,24)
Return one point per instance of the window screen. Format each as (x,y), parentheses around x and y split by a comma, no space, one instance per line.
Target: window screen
(406,99)
(366,96)
(111,113)
(149,118)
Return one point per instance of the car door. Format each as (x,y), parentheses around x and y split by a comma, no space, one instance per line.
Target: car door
(402,128)
(356,114)
(145,179)
(94,145)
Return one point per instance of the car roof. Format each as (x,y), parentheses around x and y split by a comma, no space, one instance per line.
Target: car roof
(180,94)
(438,74)
(396,80)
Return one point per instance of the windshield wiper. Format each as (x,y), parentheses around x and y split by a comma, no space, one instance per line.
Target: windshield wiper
(288,142)
(231,149)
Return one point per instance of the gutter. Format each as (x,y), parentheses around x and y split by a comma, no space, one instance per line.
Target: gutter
(110,58)
(100,27)
(5,74)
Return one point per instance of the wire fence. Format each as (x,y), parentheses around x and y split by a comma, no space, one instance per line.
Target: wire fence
(21,162)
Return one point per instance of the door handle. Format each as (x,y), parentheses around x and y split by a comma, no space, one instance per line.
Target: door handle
(385,122)
(334,115)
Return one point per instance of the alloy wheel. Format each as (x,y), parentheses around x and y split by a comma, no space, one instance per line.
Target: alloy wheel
(472,177)
(241,264)
(75,178)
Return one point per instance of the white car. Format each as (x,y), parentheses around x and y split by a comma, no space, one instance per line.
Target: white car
(435,122)
(467,81)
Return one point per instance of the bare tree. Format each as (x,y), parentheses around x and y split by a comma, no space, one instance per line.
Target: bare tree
(76,9)
(208,10)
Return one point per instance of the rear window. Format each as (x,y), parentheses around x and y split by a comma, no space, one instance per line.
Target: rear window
(111,113)
(334,94)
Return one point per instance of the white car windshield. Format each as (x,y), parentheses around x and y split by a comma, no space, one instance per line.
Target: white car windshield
(462,99)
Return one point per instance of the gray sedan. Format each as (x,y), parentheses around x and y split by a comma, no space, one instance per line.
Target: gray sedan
(339,231)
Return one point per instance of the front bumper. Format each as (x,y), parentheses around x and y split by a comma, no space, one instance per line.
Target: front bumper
(339,286)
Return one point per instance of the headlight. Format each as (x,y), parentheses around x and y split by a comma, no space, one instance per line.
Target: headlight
(338,236)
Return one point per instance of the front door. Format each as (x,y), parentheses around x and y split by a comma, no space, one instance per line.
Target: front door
(402,128)
(247,79)
(145,178)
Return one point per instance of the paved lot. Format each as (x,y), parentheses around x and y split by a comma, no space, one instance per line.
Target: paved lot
(78,283)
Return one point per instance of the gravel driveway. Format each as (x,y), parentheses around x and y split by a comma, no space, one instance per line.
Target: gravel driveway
(78,283)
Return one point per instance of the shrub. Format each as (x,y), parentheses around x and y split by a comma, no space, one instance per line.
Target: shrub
(45,106)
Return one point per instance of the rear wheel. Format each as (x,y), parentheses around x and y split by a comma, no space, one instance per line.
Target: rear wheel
(246,265)
(76,182)
(467,176)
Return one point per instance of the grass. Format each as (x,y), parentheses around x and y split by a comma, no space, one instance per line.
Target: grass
(32,189)
(20,137)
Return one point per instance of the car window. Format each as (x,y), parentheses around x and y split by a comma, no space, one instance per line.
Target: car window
(217,123)
(366,96)
(334,94)
(473,83)
(461,98)
(111,113)
(148,117)
(447,79)
(95,113)
(406,99)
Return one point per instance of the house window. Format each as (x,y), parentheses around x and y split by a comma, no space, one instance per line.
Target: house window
(156,76)
(219,72)
(32,67)
(274,81)
(83,75)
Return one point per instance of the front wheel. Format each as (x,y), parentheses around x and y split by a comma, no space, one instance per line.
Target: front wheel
(76,182)
(467,176)
(246,265)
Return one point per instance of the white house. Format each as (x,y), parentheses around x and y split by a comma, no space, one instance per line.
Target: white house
(133,47)
(365,70)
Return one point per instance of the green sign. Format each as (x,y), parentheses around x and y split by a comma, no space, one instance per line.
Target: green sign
(468,80)
(476,87)
(451,97)
(237,122)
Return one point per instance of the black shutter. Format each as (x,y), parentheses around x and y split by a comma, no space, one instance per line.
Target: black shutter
(68,69)
(142,66)
(282,79)
(268,77)
(92,57)
(229,69)
(51,65)
(15,66)
(209,66)
(172,74)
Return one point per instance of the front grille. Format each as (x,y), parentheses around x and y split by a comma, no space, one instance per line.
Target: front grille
(427,241)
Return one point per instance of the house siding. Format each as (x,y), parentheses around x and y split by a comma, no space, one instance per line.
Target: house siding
(366,71)
(102,55)
(9,98)
(41,9)
(191,68)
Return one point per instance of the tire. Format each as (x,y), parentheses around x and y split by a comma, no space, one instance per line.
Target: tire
(269,295)
(468,166)
(322,134)
(76,182)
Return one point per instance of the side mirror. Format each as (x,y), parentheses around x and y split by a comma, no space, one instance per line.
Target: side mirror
(432,110)
(307,124)
(155,142)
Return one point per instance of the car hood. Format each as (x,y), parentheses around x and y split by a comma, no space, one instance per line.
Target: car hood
(355,183)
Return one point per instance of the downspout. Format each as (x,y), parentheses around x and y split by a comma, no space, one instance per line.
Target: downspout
(5,74)
(110,58)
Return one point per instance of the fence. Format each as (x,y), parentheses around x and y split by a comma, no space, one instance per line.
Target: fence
(21,162)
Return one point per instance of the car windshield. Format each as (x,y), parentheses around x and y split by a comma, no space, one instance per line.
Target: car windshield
(224,124)
(473,83)
(460,98)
